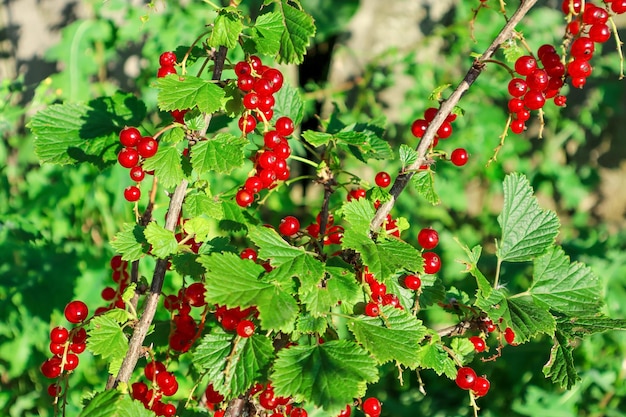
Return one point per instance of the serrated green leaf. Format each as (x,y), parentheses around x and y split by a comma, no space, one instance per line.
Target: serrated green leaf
(243,288)
(200,227)
(113,403)
(527,230)
(433,356)
(424,183)
(186,264)
(106,338)
(174,135)
(309,324)
(567,287)
(289,103)
(529,319)
(162,240)
(343,286)
(583,326)
(408,155)
(177,92)
(560,367)
(267,32)
(130,242)
(226,28)
(194,120)
(233,365)
(359,214)
(512,51)
(128,294)
(394,338)
(71,132)
(234,217)
(273,247)
(463,349)
(221,154)
(317,138)
(198,203)
(329,375)
(364,144)
(166,164)
(298,28)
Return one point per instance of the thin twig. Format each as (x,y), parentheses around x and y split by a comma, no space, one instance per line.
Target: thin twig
(446,107)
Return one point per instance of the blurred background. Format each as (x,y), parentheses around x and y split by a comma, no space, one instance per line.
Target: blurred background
(370,60)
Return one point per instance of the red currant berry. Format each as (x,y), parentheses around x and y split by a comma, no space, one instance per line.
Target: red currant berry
(267,399)
(71,362)
(76,311)
(275,78)
(167,383)
(59,335)
(579,68)
(298,412)
(382,179)
(78,348)
(153,368)
(129,136)
(465,378)
(247,123)
(560,101)
(128,157)
(57,348)
(428,238)
(263,87)
(265,104)
(346,412)
(356,194)
(525,65)
(147,147)
(271,139)
(213,396)
(509,336)
(248,253)
(481,386)
(618,6)
(289,226)
(255,62)
(515,105)
(251,101)
(594,15)
(372,407)
(412,282)
(51,368)
(54,390)
(164,71)
(445,130)
(432,262)
(137,173)
(245,328)
(517,87)
(132,193)
(372,309)
(242,68)
(430,114)
(571,6)
(267,160)
(459,157)
(517,126)
(168,410)
(544,50)
(418,128)
(478,342)
(582,48)
(245,83)
(167,59)
(537,80)
(284,126)
(534,100)
(194,294)
(599,33)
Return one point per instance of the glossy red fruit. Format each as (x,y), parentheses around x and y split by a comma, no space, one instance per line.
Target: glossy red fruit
(59,335)
(129,136)
(382,179)
(247,123)
(167,383)
(167,59)
(545,50)
(213,396)
(478,342)
(245,82)
(432,262)
(298,412)
(245,328)
(509,336)
(465,378)
(248,253)
(418,127)
(600,33)
(428,238)
(372,407)
(579,68)
(153,368)
(275,77)
(54,390)
(569,6)
(289,226)
(534,100)
(168,410)
(147,147)
(537,80)
(284,126)
(137,173)
(267,399)
(481,386)
(164,71)
(71,362)
(582,48)
(445,130)
(517,87)
(255,62)
(51,368)
(132,193)
(525,65)
(372,309)
(346,412)
(128,157)
(459,157)
(244,198)
(194,294)
(412,282)
(76,311)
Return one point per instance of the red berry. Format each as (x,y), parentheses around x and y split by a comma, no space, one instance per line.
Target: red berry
(245,328)
(517,126)
(599,33)
(282,150)
(569,6)
(289,226)
(248,253)
(618,6)
(517,87)
(525,65)
(247,123)
(534,100)
(242,68)
(372,309)
(168,410)
(478,342)
(275,78)
(465,378)
(54,390)
(213,396)
(509,336)
(432,262)
(372,407)
(137,173)
(153,368)
(266,103)
(346,412)
(594,15)
(298,412)
(544,50)
(382,179)
(245,82)
(76,311)
(164,71)
(167,383)
(430,114)
(251,101)
(71,362)
(147,147)
(445,130)
(579,68)
(51,368)
(418,128)
(481,386)
(128,157)
(78,347)
(284,126)
(167,59)
(132,193)
(560,101)
(59,335)
(271,139)
(129,136)
(428,238)
(267,399)
(244,198)
(57,348)
(194,294)
(582,48)
(267,160)
(459,157)
(537,80)
(515,105)
(255,62)
(412,282)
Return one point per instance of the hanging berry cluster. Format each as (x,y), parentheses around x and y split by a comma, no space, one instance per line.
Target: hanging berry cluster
(113,295)
(136,150)
(259,83)
(162,383)
(458,156)
(184,328)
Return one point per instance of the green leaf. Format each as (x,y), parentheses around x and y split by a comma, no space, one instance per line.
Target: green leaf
(71,132)
(198,203)
(433,356)
(174,135)
(364,143)
(343,286)
(272,246)
(289,103)
(162,240)
(106,338)
(317,138)
(583,326)
(424,183)
(130,242)
(177,92)
(112,403)
(529,319)
(243,288)
(408,155)
(527,230)
(267,32)
(393,337)
(567,287)
(186,264)
(359,214)
(560,367)
(463,349)
(221,154)
(166,164)
(329,375)
(298,28)
(233,367)
(200,227)
(226,28)
(309,324)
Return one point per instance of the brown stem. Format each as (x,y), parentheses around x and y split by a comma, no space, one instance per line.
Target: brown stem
(135,345)
(446,107)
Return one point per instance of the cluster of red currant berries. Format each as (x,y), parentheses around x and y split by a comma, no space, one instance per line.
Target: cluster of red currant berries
(167,62)
(333,234)
(429,239)
(120,277)
(467,379)
(236,319)
(184,327)
(161,383)
(458,156)
(378,295)
(65,345)
(259,83)
(137,148)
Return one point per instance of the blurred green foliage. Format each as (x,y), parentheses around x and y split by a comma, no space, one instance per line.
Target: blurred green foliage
(55,222)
